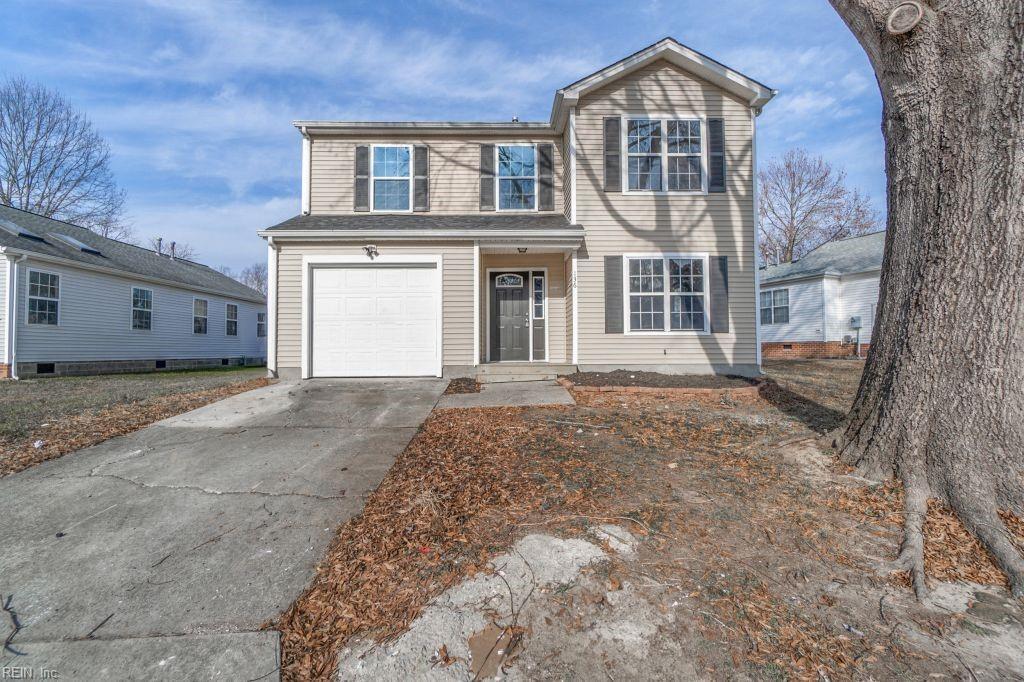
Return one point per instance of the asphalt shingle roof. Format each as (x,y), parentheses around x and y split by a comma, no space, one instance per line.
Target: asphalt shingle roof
(390,221)
(845,257)
(116,255)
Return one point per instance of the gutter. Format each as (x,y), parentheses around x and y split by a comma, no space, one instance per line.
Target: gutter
(125,274)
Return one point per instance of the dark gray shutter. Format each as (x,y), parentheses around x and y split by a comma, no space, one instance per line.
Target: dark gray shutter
(421,181)
(362,193)
(612,154)
(545,170)
(718,288)
(613,294)
(487,177)
(716,154)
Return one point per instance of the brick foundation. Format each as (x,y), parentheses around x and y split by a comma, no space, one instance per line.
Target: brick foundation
(31,370)
(5,371)
(811,349)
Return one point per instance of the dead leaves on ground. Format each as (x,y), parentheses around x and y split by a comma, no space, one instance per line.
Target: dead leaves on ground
(92,427)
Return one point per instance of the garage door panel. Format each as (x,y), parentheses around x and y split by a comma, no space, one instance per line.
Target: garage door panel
(371,321)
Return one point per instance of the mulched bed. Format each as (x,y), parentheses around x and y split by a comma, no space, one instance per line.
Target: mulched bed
(67,434)
(462,385)
(621,377)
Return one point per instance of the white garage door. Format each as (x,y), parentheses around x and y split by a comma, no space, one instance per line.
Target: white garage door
(376,321)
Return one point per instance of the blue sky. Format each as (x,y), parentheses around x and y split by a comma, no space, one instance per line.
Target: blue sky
(196,98)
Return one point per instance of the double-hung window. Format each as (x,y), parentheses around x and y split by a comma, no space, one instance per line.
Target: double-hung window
(43,298)
(517,177)
(775,306)
(231,319)
(667,293)
(142,309)
(664,155)
(200,307)
(538,297)
(261,325)
(391,181)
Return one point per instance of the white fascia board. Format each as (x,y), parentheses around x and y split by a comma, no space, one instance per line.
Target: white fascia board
(421,127)
(125,274)
(575,236)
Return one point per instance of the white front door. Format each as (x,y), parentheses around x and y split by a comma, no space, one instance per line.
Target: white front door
(374,321)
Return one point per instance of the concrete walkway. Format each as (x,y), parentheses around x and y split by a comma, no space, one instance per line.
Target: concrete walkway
(511,394)
(160,554)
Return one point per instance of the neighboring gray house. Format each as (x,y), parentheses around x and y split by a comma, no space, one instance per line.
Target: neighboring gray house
(74,302)
(822,305)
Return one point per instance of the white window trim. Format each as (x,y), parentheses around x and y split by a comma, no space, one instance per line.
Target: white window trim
(664,118)
(772,307)
(258,323)
(666,293)
(29,296)
(227,306)
(194,316)
(131,316)
(373,176)
(547,327)
(497,179)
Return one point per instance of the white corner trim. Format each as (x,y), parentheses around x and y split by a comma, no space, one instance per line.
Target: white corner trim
(572,166)
(7,266)
(476,303)
(397,259)
(13,285)
(757,239)
(307,172)
(575,311)
(271,305)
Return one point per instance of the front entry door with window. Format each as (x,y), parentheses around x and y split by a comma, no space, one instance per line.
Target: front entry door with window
(510,316)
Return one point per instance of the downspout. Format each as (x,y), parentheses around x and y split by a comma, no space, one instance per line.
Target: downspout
(271,307)
(757,236)
(11,347)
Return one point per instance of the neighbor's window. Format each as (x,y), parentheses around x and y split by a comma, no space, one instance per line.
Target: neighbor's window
(391,183)
(517,177)
(538,297)
(683,295)
(43,297)
(664,154)
(142,308)
(261,325)
(775,306)
(199,310)
(231,317)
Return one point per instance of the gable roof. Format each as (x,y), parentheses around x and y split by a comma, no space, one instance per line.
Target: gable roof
(136,261)
(843,257)
(757,94)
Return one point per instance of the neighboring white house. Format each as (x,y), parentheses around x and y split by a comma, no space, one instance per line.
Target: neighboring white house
(74,302)
(822,305)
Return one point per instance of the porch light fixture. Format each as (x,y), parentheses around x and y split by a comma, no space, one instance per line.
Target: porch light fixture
(521,250)
(371,251)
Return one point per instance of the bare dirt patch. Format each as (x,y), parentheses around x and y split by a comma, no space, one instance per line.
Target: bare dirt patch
(462,385)
(64,426)
(742,565)
(621,377)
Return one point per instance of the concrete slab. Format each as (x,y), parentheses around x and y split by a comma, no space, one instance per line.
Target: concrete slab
(511,394)
(209,522)
(236,656)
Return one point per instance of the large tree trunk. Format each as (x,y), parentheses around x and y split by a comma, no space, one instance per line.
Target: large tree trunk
(941,402)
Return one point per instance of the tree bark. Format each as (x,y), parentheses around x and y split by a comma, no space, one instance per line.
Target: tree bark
(941,401)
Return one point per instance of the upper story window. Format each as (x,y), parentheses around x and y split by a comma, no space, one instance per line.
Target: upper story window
(43,297)
(517,177)
(664,155)
(775,306)
(142,309)
(200,308)
(391,180)
(231,319)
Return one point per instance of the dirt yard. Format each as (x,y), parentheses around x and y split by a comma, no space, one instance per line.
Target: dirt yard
(45,418)
(645,536)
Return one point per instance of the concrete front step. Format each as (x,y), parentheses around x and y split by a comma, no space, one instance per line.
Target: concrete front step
(525,368)
(506,378)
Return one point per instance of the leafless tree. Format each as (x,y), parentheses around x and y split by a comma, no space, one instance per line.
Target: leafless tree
(168,247)
(52,161)
(804,203)
(941,401)
(253,276)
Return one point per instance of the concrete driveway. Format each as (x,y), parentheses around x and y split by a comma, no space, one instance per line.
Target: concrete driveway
(160,554)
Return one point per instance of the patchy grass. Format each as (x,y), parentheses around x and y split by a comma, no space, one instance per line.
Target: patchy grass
(63,414)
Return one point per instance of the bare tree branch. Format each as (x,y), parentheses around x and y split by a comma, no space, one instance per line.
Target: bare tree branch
(53,163)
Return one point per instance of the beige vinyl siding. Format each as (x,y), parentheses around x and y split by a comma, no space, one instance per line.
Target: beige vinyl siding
(457,293)
(567,178)
(554,313)
(567,278)
(617,223)
(454,172)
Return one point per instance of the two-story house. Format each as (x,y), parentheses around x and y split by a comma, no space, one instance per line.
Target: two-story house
(618,234)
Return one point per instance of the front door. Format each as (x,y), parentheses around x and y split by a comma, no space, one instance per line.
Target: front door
(510,316)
